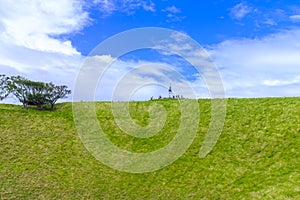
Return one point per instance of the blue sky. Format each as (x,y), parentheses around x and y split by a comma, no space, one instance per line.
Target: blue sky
(255,45)
(208,22)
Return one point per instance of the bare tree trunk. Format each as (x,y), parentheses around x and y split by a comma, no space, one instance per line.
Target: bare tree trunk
(39,106)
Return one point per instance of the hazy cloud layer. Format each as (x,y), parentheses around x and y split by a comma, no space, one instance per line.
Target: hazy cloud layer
(257,65)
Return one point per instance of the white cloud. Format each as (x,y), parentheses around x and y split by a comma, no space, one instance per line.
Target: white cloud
(269,22)
(106,78)
(295,18)
(34,24)
(261,67)
(255,67)
(172,9)
(207,82)
(150,6)
(173,14)
(108,7)
(240,10)
(30,44)
(295,80)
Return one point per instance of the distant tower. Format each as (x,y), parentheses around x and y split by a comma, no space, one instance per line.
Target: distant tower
(170,92)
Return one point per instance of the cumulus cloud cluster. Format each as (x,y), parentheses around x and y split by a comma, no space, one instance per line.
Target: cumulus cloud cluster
(31,42)
(258,67)
(35,24)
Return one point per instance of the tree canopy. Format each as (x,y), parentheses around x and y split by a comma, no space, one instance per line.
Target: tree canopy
(56,92)
(32,92)
(3,86)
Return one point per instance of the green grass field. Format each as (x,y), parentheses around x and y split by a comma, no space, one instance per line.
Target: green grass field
(256,157)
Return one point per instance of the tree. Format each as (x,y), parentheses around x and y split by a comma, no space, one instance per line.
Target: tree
(56,92)
(27,92)
(36,93)
(3,87)
(17,86)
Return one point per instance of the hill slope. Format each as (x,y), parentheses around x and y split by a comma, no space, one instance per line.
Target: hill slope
(257,156)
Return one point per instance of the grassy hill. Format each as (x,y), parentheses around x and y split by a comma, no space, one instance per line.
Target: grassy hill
(257,155)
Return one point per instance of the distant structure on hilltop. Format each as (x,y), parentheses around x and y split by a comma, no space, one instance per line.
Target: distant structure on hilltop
(171,95)
(170,92)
